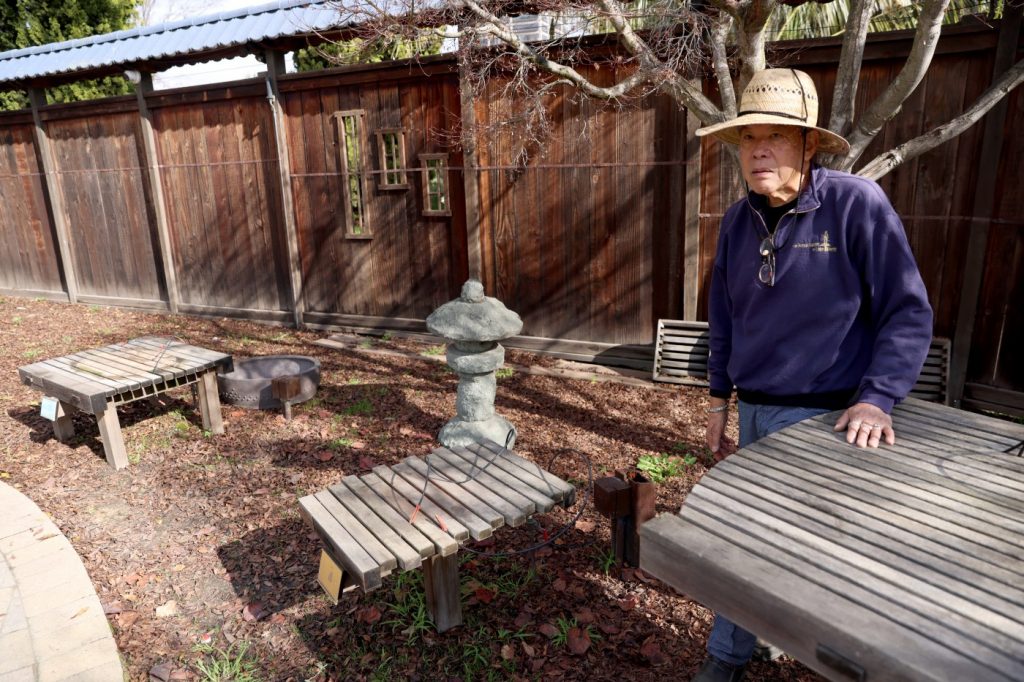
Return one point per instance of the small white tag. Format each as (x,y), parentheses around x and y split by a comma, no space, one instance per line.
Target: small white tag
(48,408)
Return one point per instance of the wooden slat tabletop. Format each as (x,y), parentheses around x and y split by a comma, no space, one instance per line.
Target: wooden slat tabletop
(57,374)
(903,562)
(515,507)
(361,534)
(351,487)
(356,561)
(460,496)
(119,377)
(90,378)
(526,484)
(444,544)
(452,507)
(414,495)
(127,363)
(193,355)
(398,549)
(476,498)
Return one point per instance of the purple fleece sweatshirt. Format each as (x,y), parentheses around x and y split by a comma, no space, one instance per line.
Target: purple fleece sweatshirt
(848,314)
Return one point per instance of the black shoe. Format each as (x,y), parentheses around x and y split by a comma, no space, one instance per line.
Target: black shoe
(715,670)
(764,652)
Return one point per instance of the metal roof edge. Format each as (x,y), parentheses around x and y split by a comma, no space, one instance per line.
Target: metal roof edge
(165,27)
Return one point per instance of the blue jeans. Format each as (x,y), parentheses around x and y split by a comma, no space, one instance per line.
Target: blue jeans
(729,642)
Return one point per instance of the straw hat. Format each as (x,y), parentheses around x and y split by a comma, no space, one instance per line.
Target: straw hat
(779,97)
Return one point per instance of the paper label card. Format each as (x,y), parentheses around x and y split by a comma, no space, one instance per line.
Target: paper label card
(48,408)
(329,576)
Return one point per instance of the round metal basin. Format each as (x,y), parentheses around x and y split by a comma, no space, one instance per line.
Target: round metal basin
(249,385)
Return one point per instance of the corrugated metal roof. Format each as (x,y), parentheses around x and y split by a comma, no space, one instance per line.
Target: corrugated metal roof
(174,39)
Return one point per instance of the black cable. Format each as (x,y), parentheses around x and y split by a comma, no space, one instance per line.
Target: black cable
(476,470)
(561,531)
(160,355)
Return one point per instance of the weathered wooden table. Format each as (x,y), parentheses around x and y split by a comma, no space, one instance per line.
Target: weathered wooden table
(902,563)
(418,512)
(97,381)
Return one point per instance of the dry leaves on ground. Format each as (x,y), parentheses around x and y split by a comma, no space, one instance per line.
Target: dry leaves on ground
(198,544)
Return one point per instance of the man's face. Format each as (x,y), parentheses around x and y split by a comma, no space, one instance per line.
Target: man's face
(772,157)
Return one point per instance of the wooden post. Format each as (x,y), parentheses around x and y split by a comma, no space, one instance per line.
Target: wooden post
(51,185)
(275,67)
(209,403)
(441,583)
(470,175)
(691,235)
(628,500)
(286,389)
(977,245)
(641,498)
(612,498)
(63,428)
(113,442)
(156,192)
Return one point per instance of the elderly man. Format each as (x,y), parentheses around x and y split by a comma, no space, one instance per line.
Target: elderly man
(816,301)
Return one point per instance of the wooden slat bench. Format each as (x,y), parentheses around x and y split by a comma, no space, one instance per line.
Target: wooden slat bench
(96,381)
(931,385)
(903,562)
(681,352)
(369,528)
(681,357)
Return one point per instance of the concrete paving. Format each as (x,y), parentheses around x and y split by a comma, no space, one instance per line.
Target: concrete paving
(52,626)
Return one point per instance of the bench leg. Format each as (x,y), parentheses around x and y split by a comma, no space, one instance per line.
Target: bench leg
(209,403)
(63,429)
(441,583)
(113,442)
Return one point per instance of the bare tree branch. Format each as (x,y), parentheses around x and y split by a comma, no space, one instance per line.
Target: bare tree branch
(720,62)
(884,163)
(845,93)
(889,102)
(495,26)
(663,76)
(749,20)
(665,42)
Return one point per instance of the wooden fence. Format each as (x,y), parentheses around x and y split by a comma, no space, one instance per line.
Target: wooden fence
(244,206)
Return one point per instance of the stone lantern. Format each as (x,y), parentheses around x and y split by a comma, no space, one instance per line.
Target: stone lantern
(472,325)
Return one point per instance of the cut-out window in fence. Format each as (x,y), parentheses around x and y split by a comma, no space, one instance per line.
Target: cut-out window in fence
(391,144)
(351,162)
(435,184)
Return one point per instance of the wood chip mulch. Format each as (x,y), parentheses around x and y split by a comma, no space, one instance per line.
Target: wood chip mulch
(198,545)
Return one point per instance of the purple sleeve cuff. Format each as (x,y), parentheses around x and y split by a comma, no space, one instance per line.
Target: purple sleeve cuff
(882,402)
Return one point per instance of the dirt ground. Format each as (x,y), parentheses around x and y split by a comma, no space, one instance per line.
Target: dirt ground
(201,560)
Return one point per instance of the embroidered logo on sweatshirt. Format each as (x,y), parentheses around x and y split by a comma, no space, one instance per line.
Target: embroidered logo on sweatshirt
(824,246)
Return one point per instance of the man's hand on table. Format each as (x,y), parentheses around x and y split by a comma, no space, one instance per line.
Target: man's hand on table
(865,425)
(720,445)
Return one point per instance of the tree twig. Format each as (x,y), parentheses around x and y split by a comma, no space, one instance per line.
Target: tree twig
(926,39)
(844,95)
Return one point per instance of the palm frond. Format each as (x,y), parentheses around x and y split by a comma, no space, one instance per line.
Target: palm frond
(814,20)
